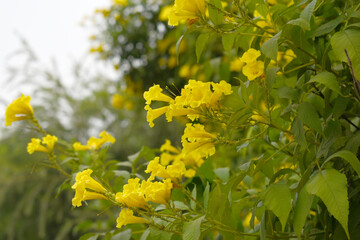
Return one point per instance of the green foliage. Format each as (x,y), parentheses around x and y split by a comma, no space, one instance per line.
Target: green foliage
(286,162)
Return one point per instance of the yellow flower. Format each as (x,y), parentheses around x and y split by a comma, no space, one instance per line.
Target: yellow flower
(49,141)
(155,94)
(250,55)
(121,2)
(35,146)
(289,55)
(168,147)
(118,101)
(157,192)
(185,10)
(197,141)
(185,71)
(99,48)
(84,182)
(172,62)
(253,70)
(190,173)
(236,65)
(164,13)
(156,169)
(94,143)
(132,195)
(126,217)
(19,109)
(153,114)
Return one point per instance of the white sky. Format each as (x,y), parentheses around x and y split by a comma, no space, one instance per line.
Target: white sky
(52,29)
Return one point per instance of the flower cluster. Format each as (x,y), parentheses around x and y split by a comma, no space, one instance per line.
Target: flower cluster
(94,143)
(253,68)
(194,97)
(19,109)
(87,188)
(35,144)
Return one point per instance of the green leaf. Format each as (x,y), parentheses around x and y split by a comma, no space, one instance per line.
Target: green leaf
(348,156)
(228,41)
(305,17)
(298,131)
(307,113)
(301,211)
(192,202)
(331,187)
(308,11)
(270,47)
(223,173)
(206,196)
(178,46)
(329,80)
(278,200)
(200,44)
(191,230)
(89,236)
(349,40)
(215,15)
(145,234)
(328,26)
(289,93)
(124,235)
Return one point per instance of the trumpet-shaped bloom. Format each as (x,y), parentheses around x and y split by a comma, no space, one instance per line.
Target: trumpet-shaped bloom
(168,147)
(94,143)
(250,55)
(155,94)
(186,10)
(236,65)
(126,217)
(49,141)
(19,109)
(132,195)
(35,146)
(253,70)
(157,192)
(194,96)
(85,182)
(197,141)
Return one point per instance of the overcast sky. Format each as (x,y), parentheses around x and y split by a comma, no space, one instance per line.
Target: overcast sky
(53,30)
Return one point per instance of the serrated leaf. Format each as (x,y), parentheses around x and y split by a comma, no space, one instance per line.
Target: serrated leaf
(200,44)
(191,230)
(329,80)
(348,156)
(331,187)
(349,40)
(278,199)
(270,47)
(307,113)
(301,211)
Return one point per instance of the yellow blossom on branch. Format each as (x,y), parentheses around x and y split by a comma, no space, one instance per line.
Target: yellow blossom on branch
(94,143)
(157,192)
(35,145)
(186,10)
(19,109)
(132,195)
(253,70)
(250,55)
(197,141)
(126,217)
(84,183)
